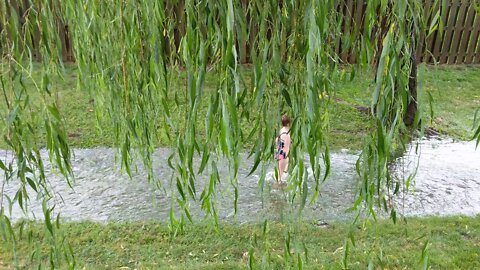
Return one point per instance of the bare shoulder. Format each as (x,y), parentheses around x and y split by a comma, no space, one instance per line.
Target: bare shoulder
(287,137)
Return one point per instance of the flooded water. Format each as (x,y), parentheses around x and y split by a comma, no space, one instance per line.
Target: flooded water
(447,183)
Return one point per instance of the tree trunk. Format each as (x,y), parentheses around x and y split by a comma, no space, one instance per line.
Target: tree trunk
(180,27)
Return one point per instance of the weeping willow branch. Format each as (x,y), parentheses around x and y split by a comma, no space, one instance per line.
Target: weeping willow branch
(128,51)
(476,127)
(394,103)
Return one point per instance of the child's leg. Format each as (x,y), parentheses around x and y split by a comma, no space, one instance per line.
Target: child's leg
(282,168)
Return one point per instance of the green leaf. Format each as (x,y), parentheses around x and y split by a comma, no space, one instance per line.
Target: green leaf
(54,111)
(180,189)
(12,116)
(2,166)
(381,68)
(430,103)
(32,184)
(286,95)
(187,213)
(251,260)
(232,112)
(191,180)
(9,230)
(476,125)
(380,140)
(256,161)
(47,215)
(46,83)
(434,24)
(393,215)
(205,158)
(345,254)
(57,222)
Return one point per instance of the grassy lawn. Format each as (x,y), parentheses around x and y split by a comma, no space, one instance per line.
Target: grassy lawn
(456,95)
(453,243)
(455,91)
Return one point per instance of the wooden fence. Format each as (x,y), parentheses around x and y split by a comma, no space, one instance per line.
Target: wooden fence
(458,43)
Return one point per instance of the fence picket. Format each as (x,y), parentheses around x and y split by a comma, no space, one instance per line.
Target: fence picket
(469,59)
(457,32)
(426,43)
(467,32)
(476,60)
(439,38)
(447,40)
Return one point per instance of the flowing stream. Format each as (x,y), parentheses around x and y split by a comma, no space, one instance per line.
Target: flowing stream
(447,182)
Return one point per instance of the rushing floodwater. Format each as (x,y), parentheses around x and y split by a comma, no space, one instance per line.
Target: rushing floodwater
(447,183)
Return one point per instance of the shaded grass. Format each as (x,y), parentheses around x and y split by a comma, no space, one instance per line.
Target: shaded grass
(453,243)
(455,91)
(348,127)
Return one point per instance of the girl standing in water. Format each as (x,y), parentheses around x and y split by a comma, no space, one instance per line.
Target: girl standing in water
(283,146)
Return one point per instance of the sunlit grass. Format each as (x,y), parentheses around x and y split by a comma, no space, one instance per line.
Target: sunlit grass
(452,244)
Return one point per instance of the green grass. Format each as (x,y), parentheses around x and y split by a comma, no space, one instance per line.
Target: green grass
(455,90)
(456,95)
(348,127)
(453,243)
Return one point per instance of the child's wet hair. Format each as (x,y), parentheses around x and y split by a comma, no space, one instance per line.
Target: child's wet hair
(286,121)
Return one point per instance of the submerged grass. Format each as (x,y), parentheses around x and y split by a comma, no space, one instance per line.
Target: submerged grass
(452,243)
(455,91)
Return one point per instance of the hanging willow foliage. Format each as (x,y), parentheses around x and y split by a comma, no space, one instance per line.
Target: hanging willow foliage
(128,52)
(476,127)
(395,91)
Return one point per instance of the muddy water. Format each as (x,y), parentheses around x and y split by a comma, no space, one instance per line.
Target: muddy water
(447,183)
